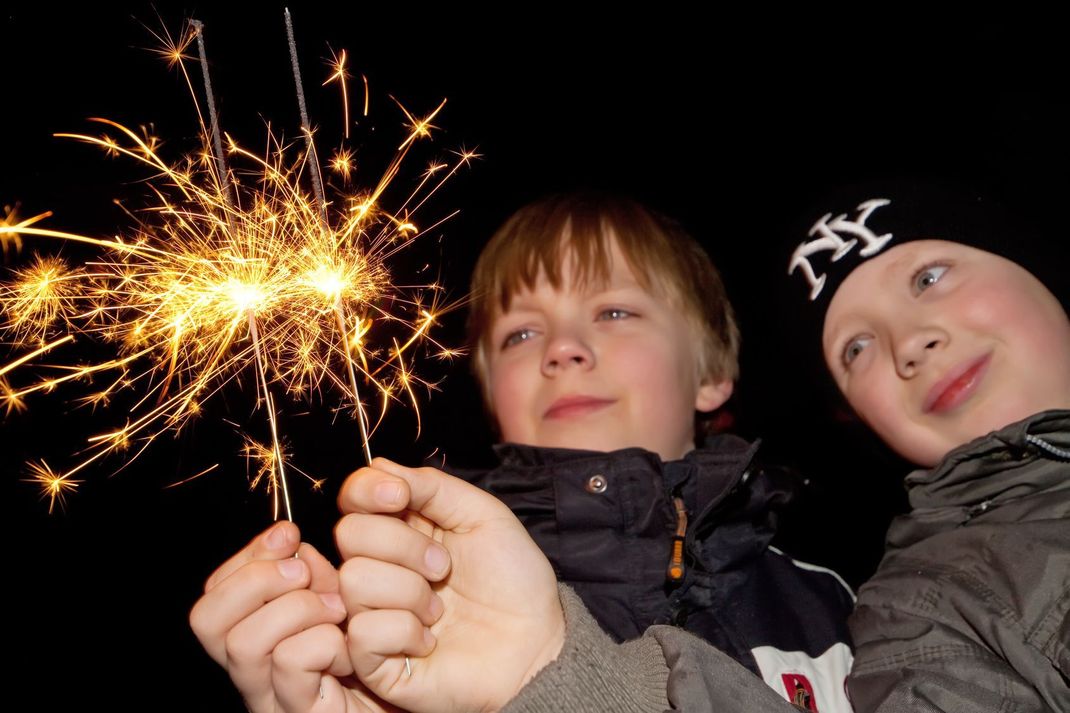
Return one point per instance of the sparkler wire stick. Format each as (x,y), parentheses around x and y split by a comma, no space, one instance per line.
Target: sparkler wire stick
(278,466)
(361,417)
(217,140)
(317,184)
(270,404)
(317,177)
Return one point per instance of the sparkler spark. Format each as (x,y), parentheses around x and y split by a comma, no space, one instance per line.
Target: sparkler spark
(10,223)
(227,270)
(53,486)
(338,64)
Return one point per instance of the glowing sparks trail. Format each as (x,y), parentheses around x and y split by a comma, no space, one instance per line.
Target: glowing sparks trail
(11,224)
(338,63)
(232,268)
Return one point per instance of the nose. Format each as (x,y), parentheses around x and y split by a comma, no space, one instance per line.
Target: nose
(914,347)
(566,351)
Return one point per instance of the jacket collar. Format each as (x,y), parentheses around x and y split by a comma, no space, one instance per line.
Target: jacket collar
(1004,465)
(721,458)
(519,455)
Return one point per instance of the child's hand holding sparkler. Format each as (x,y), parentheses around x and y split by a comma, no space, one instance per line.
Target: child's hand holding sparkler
(271,620)
(443,571)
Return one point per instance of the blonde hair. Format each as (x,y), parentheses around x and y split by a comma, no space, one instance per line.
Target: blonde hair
(665,260)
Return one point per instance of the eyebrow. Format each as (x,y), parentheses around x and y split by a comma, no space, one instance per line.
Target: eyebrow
(515,305)
(906,262)
(630,287)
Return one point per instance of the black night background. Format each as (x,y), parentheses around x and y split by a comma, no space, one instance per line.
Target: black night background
(731,125)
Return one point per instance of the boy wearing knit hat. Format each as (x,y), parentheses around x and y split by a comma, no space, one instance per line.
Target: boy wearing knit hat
(959,359)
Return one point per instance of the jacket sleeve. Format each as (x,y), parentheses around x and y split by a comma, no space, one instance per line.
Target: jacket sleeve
(908,662)
(665,669)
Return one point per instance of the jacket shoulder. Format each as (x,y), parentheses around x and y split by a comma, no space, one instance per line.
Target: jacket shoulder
(969,616)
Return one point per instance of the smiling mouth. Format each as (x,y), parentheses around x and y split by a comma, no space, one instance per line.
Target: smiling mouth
(957,386)
(571,406)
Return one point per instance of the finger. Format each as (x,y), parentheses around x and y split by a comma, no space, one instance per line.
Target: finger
(323,576)
(388,539)
(249,645)
(380,640)
(419,523)
(305,668)
(277,542)
(373,490)
(240,595)
(449,502)
(371,584)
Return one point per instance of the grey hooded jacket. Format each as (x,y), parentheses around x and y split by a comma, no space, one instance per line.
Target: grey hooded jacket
(970,607)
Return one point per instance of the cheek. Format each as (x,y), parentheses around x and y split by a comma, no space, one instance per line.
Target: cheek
(508,397)
(1013,306)
(878,405)
(667,378)
(1031,329)
(989,309)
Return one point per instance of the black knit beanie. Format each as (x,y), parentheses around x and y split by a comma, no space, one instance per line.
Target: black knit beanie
(860,222)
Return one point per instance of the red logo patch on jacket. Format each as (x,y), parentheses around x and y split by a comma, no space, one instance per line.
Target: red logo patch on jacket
(800,692)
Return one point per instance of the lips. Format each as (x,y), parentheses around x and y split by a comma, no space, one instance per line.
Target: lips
(572,406)
(957,386)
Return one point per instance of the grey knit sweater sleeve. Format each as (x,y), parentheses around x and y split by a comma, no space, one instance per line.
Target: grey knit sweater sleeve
(665,669)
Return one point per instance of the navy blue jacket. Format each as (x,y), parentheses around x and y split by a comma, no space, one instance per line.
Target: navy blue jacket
(607,521)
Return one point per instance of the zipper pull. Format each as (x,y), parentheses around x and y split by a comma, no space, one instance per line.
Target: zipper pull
(675,572)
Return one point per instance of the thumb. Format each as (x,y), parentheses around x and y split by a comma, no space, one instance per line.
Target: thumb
(449,502)
(324,576)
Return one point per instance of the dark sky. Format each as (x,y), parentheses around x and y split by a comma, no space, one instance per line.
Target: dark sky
(732,127)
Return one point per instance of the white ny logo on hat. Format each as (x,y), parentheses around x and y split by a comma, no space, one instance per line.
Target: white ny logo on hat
(830,240)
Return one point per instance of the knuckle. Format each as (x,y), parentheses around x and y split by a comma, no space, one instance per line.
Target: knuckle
(355,629)
(286,656)
(290,654)
(300,653)
(199,621)
(239,649)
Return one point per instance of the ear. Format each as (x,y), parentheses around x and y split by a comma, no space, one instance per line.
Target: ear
(712,393)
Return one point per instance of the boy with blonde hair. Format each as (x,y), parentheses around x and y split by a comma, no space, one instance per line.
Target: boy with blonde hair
(600,325)
(600,329)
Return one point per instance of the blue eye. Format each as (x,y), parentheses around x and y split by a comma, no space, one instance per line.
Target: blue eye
(854,348)
(514,338)
(928,276)
(614,313)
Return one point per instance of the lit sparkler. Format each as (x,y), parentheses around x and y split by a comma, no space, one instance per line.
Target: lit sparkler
(235,266)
